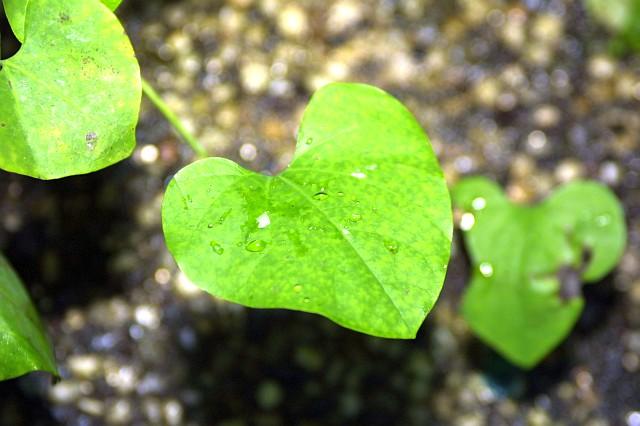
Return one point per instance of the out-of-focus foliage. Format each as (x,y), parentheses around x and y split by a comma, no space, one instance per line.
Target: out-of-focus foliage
(529,262)
(623,18)
(357,228)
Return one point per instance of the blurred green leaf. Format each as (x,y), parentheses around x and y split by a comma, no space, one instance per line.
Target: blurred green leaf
(23,343)
(69,99)
(16,11)
(357,228)
(622,17)
(529,262)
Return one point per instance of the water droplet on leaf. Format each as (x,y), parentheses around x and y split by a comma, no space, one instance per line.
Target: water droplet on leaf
(355,217)
(486,269)
(263,220)
(256,246)
(321,195)
(309,141)
(358,175)
(217,248)
(306,300)
(297,288)
(478,203)
(467,221)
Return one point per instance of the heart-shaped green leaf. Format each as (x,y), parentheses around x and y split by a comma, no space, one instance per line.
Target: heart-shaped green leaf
(16,11)
(529,262)
(69,99)
(23,343)
(357,228)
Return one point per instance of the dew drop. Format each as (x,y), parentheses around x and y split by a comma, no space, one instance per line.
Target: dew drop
(306,300)
(263,220)
(355,217)
(467,221)
(486,269)
(392,246)
(210,225)
(478,203)
(358,175)
(297,288)
(320,195)
(217,248)
(256,246)
(309,141)
(603,220)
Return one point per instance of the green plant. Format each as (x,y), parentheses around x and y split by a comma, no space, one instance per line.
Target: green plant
(622,17)
(357,228)
(529,262)
(69,98)
(23,342)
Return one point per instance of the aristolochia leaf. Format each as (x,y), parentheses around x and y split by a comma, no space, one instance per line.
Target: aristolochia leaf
(23,343)
(16,11)
(357,228)
(69,99)
(529,262)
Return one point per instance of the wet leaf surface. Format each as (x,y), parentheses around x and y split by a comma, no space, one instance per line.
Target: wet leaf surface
(529,262)
(357,228)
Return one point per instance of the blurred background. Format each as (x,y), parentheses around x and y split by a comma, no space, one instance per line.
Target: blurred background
(532,93)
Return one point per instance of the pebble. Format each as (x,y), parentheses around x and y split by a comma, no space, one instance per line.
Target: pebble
(255,77)
(293,21)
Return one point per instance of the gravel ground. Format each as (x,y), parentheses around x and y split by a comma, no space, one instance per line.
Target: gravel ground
(525,92)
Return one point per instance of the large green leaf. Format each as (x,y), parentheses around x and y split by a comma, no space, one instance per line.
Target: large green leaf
(69,99)
(16,11)
(23,343)
(357,228)
(529,262)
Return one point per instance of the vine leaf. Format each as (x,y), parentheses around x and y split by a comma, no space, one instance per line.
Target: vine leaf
(357,228)
(529,262)
(23,343)
(69,99)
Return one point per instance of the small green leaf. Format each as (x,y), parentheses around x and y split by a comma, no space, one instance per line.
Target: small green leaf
(530,261)
(357,228)
(23,343)
(69,99)
(620,16)
(16,11)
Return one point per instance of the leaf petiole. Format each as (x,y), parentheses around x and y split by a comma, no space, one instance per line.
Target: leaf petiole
(173,119)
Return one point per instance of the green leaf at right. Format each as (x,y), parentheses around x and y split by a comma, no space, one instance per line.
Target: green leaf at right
(620,16)
(529,262)
(24,346)
(70,97)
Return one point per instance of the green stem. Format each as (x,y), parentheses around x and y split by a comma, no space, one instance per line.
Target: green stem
(173,119)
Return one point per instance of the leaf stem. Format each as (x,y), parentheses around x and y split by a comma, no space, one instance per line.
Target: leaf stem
(173,119)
